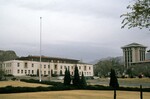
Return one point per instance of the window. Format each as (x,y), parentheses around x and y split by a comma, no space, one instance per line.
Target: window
(44,72)
(65,67)
(18,64)
(48,66)
(79,67)
(25,65)
(60,67)
(25,71)
(28,71)
(48,72)
(22,71)
(32,71)
(55,67)
(32,65)
(89,68)
(18,71)
(85,68)
(44,66)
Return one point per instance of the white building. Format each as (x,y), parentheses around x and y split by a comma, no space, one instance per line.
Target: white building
(49,66)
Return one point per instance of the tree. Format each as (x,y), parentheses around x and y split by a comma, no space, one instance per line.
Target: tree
(2,73)
(102,68)
(138,69)
(76,79)
(139,15)
(113,79)
(67,78)
(83,81)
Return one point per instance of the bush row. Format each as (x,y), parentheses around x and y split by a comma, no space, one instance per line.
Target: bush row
(42,82)
(10,89)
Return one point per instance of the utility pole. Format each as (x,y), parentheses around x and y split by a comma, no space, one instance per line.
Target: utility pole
(40,48)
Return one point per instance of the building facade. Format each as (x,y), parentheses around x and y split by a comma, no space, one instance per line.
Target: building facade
(50,66)
(133,53)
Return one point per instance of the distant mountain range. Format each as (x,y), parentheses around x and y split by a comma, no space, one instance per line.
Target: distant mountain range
(11,55)
(119,58)
(7,55)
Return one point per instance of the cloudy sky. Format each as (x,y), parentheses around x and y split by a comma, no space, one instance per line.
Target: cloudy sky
(79,29)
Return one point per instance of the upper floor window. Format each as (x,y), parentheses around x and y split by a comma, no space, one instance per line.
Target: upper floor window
(25,65)
(60,67)
(32,65)
(55,66)
(89,68)
(85,68)
(65,67)
(44,66)
(18,64)
(79,67)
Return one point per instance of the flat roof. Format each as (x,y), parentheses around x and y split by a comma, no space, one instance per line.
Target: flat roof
(134,45)
(30,57)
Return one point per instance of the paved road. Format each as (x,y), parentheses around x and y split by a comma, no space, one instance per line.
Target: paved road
(126,83)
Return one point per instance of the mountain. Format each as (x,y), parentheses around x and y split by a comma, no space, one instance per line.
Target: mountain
(7,55)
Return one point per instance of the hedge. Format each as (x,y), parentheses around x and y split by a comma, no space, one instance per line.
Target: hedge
(58,86)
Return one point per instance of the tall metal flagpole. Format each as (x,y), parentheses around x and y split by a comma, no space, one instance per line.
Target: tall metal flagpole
(40,48)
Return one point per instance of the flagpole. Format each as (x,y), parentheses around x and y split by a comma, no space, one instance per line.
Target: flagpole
(40,48)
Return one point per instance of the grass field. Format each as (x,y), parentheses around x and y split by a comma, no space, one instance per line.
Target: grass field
(19,83)
(76,94)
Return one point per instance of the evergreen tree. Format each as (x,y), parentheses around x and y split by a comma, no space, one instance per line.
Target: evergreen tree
(2,73)
(83,81)
(67,78)
(113,79)
(76,79)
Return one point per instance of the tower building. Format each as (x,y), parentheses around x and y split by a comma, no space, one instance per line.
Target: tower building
(133,53)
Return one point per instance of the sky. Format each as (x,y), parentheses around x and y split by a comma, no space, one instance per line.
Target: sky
(79,29)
